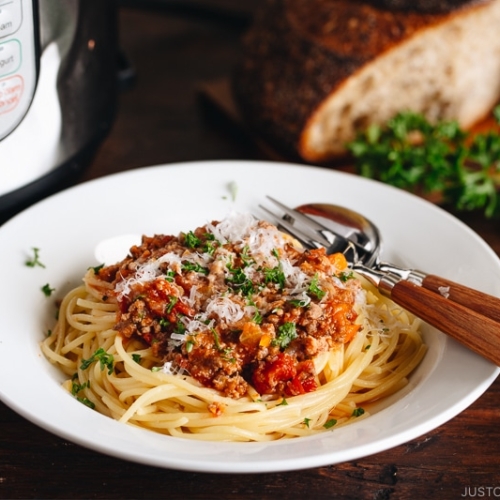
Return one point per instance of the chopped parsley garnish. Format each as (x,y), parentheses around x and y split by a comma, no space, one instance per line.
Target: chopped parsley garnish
(233,190)
(314,289)
(216,340)
(164,322)
(286,333)
(35,261)
(170,275)
(257,317)
(193,266)
(136,358)
(191,240)
(330,423)
(246,256)
(357,412)
(210,247)
(298,303)
(47,290)
(239,281)
(86,402)
(411,153)
(275,275)
(96,269)
(180,327)
(106,360)
(227,354)
(171,304)
(306,422)
(210,244)
(345,276)
(76,387)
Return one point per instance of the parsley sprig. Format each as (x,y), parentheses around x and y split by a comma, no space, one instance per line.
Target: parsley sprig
(238,280)
(77,388)
(275,275)
(314,289)
(411,153)
(35,260)
(105,360)
(286,333)
(47,290)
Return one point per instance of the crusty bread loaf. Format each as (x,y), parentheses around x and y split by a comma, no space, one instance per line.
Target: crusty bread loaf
(315,71)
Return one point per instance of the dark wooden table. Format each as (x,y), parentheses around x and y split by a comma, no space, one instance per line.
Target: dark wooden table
(161,120)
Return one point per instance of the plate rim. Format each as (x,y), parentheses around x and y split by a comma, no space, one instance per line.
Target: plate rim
(242,467)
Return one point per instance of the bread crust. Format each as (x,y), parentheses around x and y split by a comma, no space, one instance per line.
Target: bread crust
(299,52)
(422,6)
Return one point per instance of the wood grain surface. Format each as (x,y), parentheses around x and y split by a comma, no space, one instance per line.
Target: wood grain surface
(162,118)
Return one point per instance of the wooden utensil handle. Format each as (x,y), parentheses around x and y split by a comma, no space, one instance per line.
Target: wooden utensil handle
(485,304)
(479,333)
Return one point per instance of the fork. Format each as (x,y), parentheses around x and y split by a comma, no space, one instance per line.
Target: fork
(473,329)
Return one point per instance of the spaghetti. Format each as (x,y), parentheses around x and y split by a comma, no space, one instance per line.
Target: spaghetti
(230,332)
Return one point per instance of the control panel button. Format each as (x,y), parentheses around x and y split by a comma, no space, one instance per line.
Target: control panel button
(18,62)
(11,91)
(10,57)
(10,17)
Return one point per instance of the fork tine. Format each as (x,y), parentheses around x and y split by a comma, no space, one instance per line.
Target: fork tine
(310,240)
(325,235)
(298,215)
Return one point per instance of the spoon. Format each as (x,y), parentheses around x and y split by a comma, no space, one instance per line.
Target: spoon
(347,224)
(467,315)
(357,228)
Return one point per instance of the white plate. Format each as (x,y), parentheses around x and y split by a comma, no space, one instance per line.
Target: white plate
(166,199)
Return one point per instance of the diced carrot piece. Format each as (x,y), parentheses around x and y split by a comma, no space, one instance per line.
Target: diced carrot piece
(265,340)
(338,260)
(251,334)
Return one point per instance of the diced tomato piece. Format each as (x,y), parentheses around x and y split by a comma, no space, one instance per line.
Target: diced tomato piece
(182,308)
(294,387)
(295,378)
(304,381)
(147,337)
(310,384)
(268,376)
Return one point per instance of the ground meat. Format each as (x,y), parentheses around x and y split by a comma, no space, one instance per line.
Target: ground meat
(234,304)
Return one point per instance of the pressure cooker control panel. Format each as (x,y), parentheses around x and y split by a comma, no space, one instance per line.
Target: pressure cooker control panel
(18,61)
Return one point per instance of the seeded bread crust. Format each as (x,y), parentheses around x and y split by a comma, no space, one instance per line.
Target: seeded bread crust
(301,56)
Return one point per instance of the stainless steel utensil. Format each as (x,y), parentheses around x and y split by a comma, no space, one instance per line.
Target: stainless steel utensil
(470,316)
(356,227)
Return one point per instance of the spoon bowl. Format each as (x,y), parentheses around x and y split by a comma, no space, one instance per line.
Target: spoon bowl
(349,224)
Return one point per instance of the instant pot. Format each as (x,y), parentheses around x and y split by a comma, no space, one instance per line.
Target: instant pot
(58,88)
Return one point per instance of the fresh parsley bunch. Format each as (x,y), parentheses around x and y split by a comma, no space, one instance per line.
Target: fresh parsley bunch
(411,153)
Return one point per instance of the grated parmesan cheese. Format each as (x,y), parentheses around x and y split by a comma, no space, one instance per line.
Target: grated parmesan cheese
(225,309)
(212,299)
(233,228)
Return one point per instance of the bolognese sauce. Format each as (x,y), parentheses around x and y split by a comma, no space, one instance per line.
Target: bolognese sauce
(236,304)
